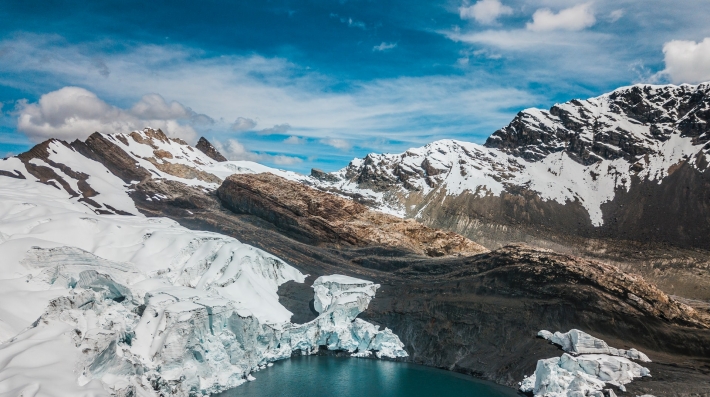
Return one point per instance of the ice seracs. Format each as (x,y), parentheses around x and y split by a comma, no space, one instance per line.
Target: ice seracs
(590,365)
(339,299)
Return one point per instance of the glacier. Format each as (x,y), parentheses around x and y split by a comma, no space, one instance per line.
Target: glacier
(97,305)
(586,368)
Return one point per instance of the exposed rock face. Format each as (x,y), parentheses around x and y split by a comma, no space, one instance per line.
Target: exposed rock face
(324,217)
(206,147)
(613,126)
(132,156)
(322,175)
(98,147)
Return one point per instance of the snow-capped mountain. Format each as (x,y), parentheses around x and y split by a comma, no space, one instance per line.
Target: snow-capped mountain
(629,164)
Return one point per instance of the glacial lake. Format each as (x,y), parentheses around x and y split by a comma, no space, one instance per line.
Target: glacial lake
(323,376)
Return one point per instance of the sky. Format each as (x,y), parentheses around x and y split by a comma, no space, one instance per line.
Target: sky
(316,83)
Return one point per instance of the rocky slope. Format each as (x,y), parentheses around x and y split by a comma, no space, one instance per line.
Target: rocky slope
(315,216)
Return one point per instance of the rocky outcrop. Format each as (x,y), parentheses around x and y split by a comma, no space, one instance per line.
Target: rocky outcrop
(133,157)
(614,126)
(325,218)
(323,176)
(206,147)
(100,148)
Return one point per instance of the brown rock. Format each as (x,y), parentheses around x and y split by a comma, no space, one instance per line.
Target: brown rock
(326,218)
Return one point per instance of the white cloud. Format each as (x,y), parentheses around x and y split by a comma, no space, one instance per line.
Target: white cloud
(616,15)
(243,124)
(574,18)
(485,11)
(277,129)
(74,112)
(295,140)
(341,144)
(235,150)
(525,40)
(384,46)
(687,61)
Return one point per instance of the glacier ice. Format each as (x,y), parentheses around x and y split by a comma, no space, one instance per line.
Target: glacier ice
(579,342)
(180,340)
(585,370)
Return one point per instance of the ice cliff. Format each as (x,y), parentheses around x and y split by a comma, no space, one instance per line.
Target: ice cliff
(96,305)
(585,370)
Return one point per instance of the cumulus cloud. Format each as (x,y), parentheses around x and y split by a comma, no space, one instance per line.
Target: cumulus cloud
(485,11)
(687,61)
(384,46)
(74,112)
(295,140)
(341,144)
(574,18)
(277,129)
(243,124)
(235,150)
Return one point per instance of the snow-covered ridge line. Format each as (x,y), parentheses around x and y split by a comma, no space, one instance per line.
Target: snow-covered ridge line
(456,167)
(579,151)
(174,159)
(129,305)
(586,371)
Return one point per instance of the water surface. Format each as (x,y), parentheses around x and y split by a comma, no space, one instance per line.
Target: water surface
(319,376)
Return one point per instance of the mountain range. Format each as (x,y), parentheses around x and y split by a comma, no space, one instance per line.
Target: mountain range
(592,216)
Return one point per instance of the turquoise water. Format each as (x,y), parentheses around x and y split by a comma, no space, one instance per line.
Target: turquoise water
(318,376)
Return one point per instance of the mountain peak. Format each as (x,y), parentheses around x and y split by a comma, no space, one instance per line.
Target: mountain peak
(206,147)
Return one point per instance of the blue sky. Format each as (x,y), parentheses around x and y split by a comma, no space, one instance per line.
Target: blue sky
(301,84)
